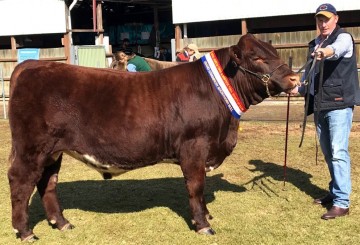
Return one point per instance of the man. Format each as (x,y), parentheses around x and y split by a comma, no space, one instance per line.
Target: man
(136,63)
(333,100)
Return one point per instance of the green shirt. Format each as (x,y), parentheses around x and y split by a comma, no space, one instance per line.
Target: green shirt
(138,63)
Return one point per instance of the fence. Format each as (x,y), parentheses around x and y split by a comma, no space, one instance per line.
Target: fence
(294,44)
(8,61)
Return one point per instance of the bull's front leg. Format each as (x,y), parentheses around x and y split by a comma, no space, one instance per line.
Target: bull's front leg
(193,168)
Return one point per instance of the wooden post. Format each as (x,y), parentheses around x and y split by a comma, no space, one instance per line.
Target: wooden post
(94,14)
(177,37)
(66,42)
(13,47)
(100,22)
(244,29)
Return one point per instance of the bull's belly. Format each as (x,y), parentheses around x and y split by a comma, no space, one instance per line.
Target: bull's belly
(105,169)
(108,170)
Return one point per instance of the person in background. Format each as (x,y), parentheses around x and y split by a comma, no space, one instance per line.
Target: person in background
(119,61)
(333,103)
(189,53)
(164,54)
(183,55)
(194,52)
(136,63)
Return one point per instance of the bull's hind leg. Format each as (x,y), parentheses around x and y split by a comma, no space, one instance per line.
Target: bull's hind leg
(22,179)
(47,190)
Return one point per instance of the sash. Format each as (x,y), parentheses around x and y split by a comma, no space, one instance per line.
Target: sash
(222,84)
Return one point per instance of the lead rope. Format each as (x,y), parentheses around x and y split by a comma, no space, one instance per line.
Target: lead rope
(308,82)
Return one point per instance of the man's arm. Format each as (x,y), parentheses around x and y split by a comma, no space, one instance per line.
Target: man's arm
(342,47)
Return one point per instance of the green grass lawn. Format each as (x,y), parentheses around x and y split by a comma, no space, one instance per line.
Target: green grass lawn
(246,195)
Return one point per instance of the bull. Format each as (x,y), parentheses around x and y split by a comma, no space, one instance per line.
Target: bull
(117,121)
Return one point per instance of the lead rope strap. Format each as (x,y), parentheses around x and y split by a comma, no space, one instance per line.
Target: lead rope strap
(307,94)
(319,98)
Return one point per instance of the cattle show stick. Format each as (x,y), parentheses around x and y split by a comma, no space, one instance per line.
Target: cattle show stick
(287,127)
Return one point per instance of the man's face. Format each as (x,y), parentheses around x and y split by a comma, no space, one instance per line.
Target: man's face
(326,25)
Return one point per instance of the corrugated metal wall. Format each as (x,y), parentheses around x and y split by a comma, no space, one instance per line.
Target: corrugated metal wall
(8,61)
(91,56)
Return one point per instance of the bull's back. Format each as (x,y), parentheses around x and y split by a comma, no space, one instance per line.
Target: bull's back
(92,105)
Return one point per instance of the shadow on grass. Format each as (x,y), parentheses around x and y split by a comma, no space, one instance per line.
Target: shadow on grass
(126,196)
(296,177)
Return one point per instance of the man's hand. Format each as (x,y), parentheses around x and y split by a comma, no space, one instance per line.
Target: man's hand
(295,91)
(322,53)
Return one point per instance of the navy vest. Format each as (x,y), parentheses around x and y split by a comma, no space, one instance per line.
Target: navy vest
(340,85)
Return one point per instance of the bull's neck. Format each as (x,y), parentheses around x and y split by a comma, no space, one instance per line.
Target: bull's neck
(243,83)
(215,65)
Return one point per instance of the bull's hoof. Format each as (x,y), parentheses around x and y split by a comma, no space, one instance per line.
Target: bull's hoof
(67,226)
(31,238)
(206,231)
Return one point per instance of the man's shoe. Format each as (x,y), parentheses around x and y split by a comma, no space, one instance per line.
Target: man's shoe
(335,212)
(325,200)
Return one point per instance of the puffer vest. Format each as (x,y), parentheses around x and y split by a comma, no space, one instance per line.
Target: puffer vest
(340,86)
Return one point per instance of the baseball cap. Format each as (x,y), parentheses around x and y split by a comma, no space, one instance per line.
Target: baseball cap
(326,9)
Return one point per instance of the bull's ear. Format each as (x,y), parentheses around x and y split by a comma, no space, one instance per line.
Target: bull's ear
(235,55)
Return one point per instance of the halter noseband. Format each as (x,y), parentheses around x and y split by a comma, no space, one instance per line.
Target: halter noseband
(265,78)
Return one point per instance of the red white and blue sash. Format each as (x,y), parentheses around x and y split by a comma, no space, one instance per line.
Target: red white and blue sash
(223,85)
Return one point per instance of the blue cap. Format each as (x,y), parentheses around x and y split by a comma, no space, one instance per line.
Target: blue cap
(326,9)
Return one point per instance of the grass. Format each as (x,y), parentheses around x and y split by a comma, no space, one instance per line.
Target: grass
(246,195)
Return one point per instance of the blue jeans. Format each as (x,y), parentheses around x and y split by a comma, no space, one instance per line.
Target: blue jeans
(333,128)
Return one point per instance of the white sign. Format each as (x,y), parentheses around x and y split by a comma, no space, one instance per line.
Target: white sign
(26,17)
(188,11)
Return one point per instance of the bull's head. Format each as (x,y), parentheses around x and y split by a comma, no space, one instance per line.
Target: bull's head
(267,74)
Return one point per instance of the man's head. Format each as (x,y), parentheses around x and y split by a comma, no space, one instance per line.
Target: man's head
(326,18)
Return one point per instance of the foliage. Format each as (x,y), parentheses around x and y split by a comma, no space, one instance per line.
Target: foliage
(246,196)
